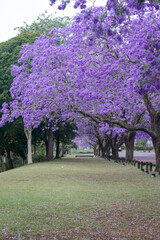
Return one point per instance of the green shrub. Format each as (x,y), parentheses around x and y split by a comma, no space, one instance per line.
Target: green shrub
(38,158)
(141,148)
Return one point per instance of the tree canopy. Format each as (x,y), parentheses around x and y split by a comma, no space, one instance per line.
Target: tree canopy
(9,55)
(45,23)
(120,6)
(106,69)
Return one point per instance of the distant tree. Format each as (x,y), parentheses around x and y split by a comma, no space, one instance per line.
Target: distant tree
(13,141)
(64,135)
(45,23)
(9,55)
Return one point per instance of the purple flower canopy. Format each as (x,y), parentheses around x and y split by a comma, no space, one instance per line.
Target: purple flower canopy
(110,4)
(100,67)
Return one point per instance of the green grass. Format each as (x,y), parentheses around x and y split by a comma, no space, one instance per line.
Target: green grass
(79,199)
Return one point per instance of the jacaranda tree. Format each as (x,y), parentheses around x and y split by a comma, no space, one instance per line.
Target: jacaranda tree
(106,69)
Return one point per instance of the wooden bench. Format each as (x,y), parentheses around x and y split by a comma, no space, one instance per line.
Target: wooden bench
(84,155)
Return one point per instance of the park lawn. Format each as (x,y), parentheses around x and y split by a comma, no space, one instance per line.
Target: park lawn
(81,199)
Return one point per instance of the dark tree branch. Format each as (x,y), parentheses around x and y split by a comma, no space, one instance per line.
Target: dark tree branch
(149,105)
(131,127)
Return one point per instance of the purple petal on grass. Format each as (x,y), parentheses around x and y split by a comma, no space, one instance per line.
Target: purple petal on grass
(19,235)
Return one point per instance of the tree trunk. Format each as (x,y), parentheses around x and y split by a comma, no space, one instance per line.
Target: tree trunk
(99,151)
(57,146)
(129,142)
(115,153)
(116,142)
(107,147)
(107,150)
(156,144)
(129,153)
(63,150)
(49,146)
(9,159)
(155,128)
(29,144)
(95,150)
(157,152)
(103,150)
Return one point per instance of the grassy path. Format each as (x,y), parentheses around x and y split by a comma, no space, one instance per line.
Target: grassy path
(79,199)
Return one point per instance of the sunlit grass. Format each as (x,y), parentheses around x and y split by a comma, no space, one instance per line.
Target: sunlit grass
(78,199)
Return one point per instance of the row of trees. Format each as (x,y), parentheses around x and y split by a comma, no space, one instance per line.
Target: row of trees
(105,69)
(124,38)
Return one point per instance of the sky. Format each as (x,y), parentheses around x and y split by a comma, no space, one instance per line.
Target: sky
(13,13)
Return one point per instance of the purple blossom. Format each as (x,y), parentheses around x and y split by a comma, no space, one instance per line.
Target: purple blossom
(102,69)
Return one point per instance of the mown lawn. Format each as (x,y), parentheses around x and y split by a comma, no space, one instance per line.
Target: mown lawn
(79,199)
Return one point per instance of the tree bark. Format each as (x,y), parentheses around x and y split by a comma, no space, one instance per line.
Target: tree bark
(100,148)
(115,153)
(63,150)
(157,152)
(155,127)
(107,150)
(9,159)
(29,144)
(116,142)
(49,146)
(129,142)
(107,146)
(156,145)
(96,150)
(103,152)
(57,146)
(129,153)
